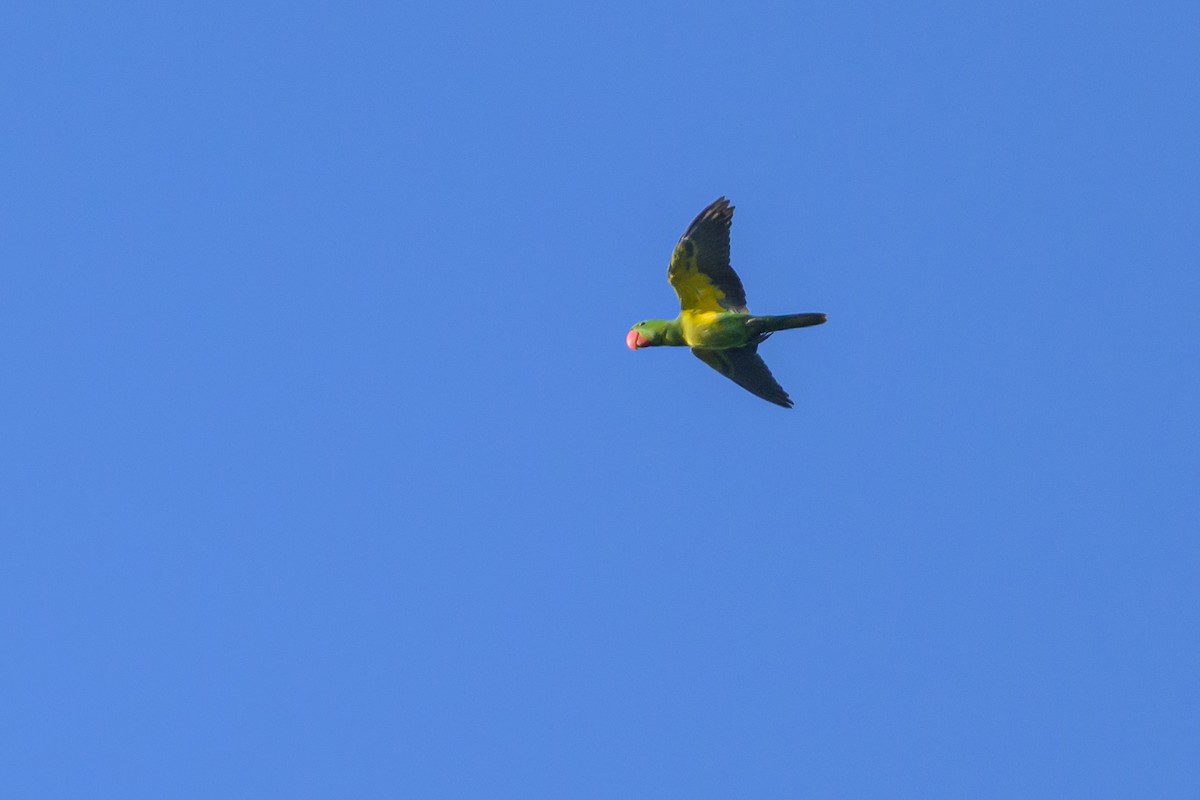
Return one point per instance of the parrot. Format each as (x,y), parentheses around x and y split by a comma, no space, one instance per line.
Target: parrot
(713,318)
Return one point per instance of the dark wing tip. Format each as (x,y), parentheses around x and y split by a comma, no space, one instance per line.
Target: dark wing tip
(718,210)
(777,396)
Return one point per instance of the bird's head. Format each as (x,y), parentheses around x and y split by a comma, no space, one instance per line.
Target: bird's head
(646,334)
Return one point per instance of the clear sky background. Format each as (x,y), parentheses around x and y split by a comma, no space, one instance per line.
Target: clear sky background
(326,471)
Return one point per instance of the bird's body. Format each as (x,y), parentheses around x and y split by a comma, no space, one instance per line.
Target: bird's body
(713,318)
(714,329)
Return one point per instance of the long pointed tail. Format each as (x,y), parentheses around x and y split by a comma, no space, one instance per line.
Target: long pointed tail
(784,322)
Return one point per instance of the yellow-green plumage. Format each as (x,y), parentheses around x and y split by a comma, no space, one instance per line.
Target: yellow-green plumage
(713,318)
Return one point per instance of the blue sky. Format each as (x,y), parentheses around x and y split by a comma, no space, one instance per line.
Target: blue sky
(328,474)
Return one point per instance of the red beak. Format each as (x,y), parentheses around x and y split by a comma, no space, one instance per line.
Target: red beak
(634,340)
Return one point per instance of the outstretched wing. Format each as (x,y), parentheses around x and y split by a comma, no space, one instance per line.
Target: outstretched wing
(700,270)
(745,367)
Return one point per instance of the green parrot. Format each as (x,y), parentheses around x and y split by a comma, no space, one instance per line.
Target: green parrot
(713,319)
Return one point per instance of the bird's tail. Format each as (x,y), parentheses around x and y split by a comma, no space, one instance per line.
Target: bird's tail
(784,322)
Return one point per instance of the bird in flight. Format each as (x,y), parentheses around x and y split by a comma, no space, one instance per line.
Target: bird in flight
(713,319)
